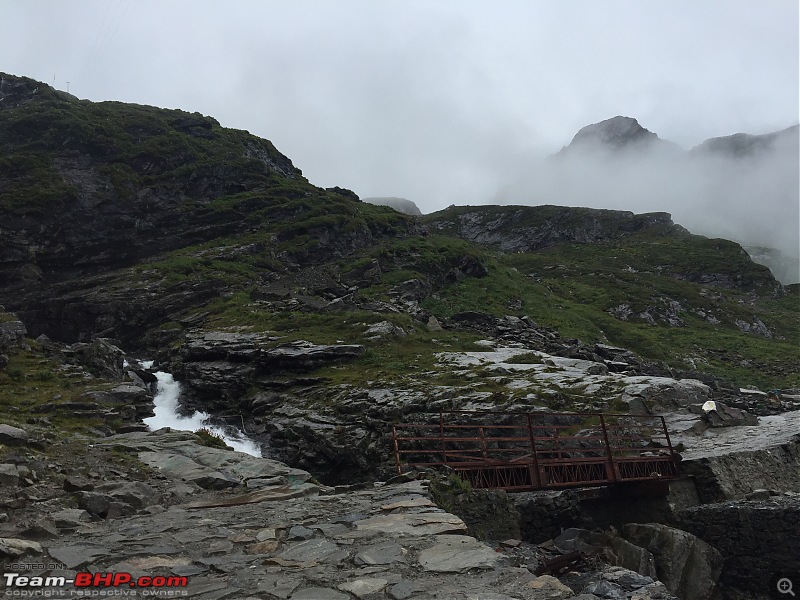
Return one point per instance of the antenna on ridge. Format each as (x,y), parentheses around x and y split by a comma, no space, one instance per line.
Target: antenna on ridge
(68,87)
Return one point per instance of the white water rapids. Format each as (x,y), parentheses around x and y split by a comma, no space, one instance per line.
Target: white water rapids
(166,415)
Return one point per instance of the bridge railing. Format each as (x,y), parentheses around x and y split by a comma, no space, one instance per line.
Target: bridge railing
(537,450)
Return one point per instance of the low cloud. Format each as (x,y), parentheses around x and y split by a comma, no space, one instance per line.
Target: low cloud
(752,199)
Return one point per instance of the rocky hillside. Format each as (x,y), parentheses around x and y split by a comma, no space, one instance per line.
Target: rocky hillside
(314,321)
(304,309)
(89,188)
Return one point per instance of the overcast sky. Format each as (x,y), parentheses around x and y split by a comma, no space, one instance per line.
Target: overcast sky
(441,102)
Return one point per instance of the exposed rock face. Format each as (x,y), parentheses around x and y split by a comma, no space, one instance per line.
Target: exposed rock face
(216,367)
(544,514)
(688,566)
(488,514)
(12,436)
(12,335)
(531,228)
(731,462)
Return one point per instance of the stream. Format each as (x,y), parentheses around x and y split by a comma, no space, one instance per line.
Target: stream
(166,415)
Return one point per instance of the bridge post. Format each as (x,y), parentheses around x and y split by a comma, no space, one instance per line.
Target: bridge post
(441,437)
(396,450)
(612,469)
(536,480)
(484,448)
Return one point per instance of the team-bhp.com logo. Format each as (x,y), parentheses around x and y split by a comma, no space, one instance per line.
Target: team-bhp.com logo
(16,583)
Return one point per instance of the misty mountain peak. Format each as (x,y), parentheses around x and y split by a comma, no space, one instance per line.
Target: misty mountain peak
(616,132)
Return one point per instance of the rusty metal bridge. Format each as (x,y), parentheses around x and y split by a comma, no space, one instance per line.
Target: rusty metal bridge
(538,450)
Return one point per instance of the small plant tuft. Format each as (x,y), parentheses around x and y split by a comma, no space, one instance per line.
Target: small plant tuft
(210,439)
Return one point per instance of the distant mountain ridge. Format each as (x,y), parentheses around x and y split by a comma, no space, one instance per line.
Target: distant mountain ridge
(742,187)
(742,145)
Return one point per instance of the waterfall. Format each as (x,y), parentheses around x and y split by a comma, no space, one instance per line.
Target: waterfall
(166,415)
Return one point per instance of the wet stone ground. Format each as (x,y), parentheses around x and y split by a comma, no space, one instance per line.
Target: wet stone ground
(283,537)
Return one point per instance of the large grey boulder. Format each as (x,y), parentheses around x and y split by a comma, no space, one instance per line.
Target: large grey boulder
(685,564)
(645,394)
(100,357)
(12,436)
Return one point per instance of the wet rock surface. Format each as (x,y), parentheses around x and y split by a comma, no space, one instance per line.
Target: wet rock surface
(292,539)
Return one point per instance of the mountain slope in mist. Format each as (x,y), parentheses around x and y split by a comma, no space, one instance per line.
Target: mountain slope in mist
(741,187)
(402,205)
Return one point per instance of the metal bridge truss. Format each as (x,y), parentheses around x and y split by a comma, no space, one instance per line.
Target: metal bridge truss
(538,450)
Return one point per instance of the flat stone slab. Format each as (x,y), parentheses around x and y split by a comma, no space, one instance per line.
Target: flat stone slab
(318,593)
(314,551)
(771,431)
(75,557)
(457,554)
(71,517)
(179,456)
(416,502)
(419,524)
(278,584)
(381,554)
(15,548)
(364,587)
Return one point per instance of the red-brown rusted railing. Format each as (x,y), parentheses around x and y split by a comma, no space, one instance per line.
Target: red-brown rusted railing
(538,450)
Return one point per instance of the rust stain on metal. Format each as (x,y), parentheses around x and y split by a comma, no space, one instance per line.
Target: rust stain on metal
(538,450)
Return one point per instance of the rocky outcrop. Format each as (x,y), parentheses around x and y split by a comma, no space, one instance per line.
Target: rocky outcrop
(12,335)
(217,367)
(688,566)
(532,228)
(730,463)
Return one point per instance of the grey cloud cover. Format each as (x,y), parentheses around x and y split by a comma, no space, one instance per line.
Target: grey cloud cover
(442,101)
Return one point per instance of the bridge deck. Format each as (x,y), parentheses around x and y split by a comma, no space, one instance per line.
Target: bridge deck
(538,450)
